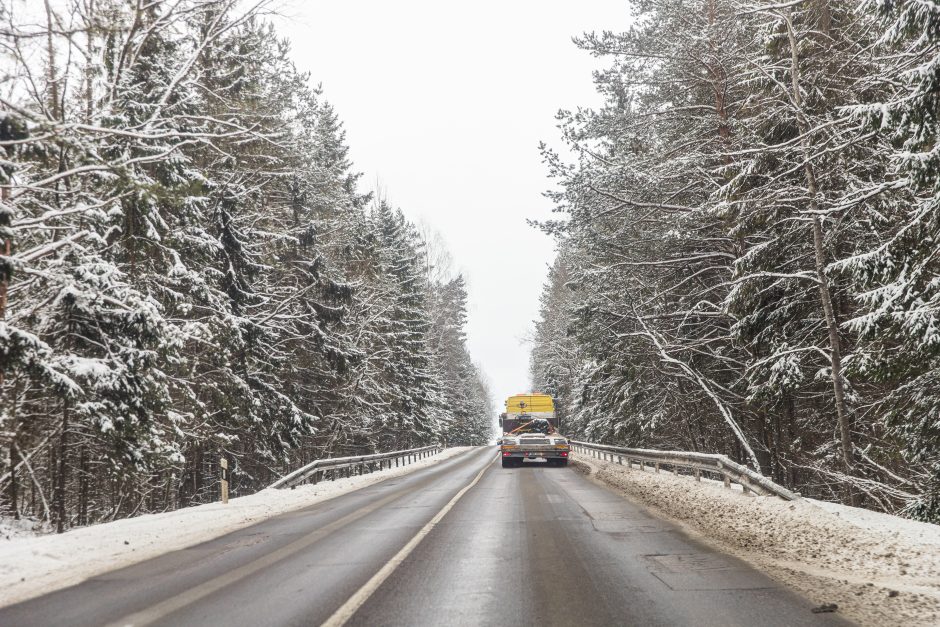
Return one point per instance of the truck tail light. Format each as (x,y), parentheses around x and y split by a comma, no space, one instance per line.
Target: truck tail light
(506,453)
(564,453)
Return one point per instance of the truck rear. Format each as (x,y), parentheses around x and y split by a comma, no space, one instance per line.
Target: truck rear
(530,431)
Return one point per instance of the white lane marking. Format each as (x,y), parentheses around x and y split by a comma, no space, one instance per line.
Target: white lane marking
(358,599)
(162,609)
(168,606)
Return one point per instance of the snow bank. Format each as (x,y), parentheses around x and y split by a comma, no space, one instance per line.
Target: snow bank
(31,566)
(24,527)
(879,569)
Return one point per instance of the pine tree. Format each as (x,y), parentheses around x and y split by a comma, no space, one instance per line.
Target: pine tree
(188,270)
(899,318)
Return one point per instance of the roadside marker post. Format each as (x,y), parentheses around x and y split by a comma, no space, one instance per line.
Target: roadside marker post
(224,464)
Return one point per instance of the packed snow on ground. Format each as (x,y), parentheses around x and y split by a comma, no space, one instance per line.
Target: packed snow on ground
(879,569)
(34,565)
(23,527)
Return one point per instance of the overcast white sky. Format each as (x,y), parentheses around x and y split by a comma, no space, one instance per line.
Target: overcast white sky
(444,104)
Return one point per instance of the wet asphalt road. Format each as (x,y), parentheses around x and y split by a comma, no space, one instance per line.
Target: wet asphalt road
(525,546)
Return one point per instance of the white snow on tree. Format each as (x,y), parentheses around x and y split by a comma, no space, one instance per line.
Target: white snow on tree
(748,242)
(188,271)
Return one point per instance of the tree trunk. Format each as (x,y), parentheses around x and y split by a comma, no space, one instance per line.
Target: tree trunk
(83,487)
(789,411)
(825,297)
(59,495)
(14,488)
(51,71)
(5,250)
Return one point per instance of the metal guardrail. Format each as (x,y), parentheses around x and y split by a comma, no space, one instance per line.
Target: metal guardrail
(328,468)
(720,465)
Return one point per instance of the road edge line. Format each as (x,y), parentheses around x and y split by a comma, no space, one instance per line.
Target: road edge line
(359,598)
(174,603)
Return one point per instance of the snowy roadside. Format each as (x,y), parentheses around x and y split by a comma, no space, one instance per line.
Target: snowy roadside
(22,528)
(31,566)
(879,569)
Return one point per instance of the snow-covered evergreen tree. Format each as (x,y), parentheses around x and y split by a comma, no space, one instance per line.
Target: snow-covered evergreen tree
(188,271)
(748,244)
(898,274)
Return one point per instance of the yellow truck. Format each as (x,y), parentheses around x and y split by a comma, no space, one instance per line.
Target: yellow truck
(530,431)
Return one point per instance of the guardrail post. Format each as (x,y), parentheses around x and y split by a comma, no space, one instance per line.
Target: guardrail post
(724,477)
(620,460)
(657,466)
(698,474)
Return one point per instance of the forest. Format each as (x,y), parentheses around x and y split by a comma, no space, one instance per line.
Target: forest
(190,272)
(748,238)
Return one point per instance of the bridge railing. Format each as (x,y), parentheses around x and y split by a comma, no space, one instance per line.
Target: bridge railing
(719,465)
(335,467)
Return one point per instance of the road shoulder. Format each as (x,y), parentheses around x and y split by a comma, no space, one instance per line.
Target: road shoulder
(875,577)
